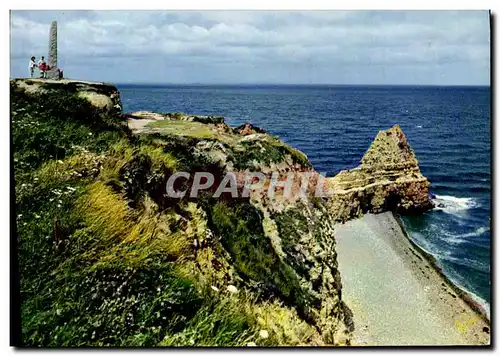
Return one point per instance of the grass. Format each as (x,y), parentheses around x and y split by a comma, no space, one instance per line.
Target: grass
(230,320)
(89,263)
(184,128)
(241,229)
(263,152)
(244,154)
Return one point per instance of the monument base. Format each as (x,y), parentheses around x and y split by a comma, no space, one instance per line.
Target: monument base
(55,73)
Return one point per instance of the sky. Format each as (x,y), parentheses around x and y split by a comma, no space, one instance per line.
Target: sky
(252,47)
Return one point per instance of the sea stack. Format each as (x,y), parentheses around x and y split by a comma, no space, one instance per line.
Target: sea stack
(388,179)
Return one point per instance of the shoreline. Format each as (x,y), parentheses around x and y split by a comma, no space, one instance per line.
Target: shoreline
(470,298)
(398,294)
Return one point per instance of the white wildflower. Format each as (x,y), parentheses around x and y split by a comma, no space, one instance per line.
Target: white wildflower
(59,161)
(215,288)
(232,289)
(37,216)
(252,344)
(264,334)
(59,205)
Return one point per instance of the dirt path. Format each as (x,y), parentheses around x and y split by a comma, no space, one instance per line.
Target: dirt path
(138,121)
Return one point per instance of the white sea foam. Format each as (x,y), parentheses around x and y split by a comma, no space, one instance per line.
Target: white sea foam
(446,255)
(464,238)
(432,248)
(479,231)
(460,282)
(467,262)
(454,205)
(483,303)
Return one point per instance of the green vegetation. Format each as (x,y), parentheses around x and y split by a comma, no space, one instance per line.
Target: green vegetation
(106,260)
(264,152)
(184,128)
(240,227)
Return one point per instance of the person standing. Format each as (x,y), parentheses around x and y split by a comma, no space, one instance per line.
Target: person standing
(43,67)
(32,66)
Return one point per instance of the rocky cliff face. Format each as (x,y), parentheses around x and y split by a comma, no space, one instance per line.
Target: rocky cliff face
(258,269)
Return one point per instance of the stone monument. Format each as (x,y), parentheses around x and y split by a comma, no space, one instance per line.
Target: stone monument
(53,72)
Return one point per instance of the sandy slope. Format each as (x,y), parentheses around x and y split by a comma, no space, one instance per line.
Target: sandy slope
(396,295)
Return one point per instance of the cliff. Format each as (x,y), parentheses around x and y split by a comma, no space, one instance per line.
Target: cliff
(108,257)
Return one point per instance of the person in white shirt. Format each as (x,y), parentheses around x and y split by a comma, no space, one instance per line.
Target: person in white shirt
(32,66)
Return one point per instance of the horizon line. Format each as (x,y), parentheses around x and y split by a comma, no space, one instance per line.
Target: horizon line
(269,84)
(305,84)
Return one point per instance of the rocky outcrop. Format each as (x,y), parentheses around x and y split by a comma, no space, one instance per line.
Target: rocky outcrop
(388,179)
(248,129)
(103,96)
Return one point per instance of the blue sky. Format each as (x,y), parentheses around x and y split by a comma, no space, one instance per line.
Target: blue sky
(323,47)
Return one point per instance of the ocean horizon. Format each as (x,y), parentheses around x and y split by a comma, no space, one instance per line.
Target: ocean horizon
(312,85)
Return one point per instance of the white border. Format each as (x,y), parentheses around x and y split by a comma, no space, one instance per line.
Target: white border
(258,4)
(191,4)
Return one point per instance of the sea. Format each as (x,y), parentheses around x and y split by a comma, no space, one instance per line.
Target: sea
(449,128)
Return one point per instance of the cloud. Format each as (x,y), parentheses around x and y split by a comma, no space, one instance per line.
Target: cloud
(260,41)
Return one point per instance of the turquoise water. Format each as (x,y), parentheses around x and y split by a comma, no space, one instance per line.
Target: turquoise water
(448,127)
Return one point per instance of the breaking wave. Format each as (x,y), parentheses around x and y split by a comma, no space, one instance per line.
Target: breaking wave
(478,232)
(454,205)
(467,238)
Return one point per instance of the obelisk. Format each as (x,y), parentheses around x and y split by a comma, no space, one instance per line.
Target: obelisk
(53,72)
